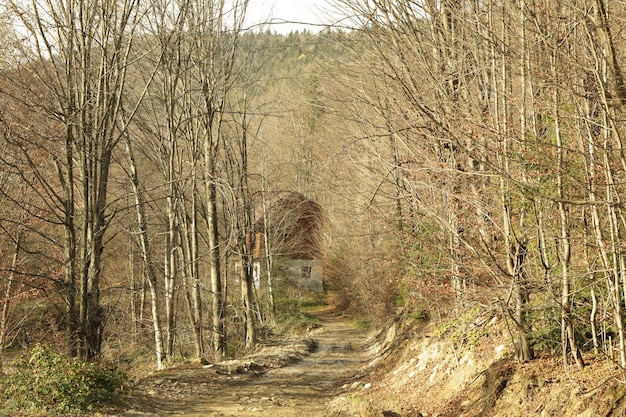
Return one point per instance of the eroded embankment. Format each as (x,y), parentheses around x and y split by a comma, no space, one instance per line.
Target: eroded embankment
(467,370)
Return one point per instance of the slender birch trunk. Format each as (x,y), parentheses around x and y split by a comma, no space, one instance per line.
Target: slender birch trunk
(568,338)
(146,253)
(6,302)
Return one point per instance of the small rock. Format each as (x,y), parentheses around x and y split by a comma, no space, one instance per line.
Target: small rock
(355,385)
(411,374)
(367,386)
(374,361)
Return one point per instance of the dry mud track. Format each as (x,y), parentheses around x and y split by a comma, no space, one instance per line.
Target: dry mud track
(255,387)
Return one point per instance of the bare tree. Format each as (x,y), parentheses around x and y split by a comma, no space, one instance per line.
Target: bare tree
(80,52)
(216,27)
(146,254)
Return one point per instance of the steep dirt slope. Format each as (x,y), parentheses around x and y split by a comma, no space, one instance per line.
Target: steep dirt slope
(467,371)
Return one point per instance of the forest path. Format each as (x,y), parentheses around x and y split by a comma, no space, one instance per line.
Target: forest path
(303,388)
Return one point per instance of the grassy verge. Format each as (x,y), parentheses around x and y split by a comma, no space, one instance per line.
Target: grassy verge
(47,383)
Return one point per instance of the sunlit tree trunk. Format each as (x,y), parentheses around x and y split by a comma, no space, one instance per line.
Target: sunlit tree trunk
(269,257)
(189,238)
(247,228)
(612,96)
(568,339)
(146,254)
(218,25)
(7,298)
(514,243)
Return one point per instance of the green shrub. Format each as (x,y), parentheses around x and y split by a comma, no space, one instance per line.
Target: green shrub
(362,324)
(47,382)
(297,322)
(546,339)
(292,306)
(420,315)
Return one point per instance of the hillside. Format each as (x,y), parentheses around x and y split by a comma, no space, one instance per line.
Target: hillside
(178,189)
(416,369)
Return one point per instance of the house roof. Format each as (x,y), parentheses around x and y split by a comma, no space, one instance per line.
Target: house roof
(294,224)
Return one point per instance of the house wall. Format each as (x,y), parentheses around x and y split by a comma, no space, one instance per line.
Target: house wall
(307,274)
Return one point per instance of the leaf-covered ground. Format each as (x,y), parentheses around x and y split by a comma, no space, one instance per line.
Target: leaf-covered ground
(296,376)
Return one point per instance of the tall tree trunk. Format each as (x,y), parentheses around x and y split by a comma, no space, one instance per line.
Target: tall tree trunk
(568,338)
(6,304)
(171,269)
(93,324)
(514,245)
(146,254)
(610,80)
(269,258)
(217,302)
(189,239)
(246,298)
(69,247)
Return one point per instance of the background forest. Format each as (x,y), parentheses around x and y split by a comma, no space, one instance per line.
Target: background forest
(468,158)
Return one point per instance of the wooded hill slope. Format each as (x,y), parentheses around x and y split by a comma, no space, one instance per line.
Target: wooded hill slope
(468,156)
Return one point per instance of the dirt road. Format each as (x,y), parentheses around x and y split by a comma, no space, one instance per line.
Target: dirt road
(303,388)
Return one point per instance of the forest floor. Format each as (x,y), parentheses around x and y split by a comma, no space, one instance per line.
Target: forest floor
(295,376)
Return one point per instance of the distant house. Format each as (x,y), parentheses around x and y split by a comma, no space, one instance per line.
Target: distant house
(306,274)
(293,225)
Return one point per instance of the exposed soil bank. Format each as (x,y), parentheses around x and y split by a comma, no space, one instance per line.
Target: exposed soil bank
(465,369)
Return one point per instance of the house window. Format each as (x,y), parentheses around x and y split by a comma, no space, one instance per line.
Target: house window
(305,272)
